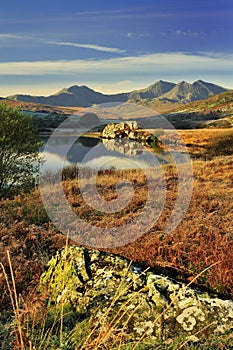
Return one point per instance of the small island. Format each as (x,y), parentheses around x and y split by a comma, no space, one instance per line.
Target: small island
(131,131)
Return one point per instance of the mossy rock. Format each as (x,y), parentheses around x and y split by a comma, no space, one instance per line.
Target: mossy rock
(109,289)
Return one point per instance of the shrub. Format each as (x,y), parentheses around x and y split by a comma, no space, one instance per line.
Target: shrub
(19,152)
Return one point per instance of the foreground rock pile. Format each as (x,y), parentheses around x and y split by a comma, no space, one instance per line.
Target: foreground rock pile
(111,290)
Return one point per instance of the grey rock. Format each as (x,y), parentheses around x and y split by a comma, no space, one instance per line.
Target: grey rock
(109,289)
(130,130)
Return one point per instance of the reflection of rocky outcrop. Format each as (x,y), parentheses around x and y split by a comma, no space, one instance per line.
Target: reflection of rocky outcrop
(86,282)
(126,147)
(129,130)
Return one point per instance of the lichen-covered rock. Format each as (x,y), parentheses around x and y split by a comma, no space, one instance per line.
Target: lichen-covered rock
(119,130)
(110,289)
(131,132)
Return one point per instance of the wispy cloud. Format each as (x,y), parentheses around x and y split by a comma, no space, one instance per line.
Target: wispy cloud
(189,34)
(12,36)
(131,35)
(88,46)
(157,62)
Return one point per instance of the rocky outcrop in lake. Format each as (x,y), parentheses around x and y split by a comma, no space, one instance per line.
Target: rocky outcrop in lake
(131,131)
(110,290)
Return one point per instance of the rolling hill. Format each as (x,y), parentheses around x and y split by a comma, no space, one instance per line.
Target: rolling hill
(221,103)
(215,111)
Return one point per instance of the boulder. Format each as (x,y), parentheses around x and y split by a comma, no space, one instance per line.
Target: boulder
(133,125)
(111,290)
(112,131)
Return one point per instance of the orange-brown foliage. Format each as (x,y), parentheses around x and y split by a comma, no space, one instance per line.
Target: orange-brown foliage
(204,237)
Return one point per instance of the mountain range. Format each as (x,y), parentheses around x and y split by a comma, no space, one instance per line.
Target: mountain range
(161,91)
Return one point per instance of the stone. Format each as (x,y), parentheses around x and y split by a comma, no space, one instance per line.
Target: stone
(107,287)
(133,125)
(130,130)
(133,135)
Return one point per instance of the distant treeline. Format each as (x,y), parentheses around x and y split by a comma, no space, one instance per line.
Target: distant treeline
(45,122)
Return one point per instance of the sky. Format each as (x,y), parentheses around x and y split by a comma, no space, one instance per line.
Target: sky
(113,46)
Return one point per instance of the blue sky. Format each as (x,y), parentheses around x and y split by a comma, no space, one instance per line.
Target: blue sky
(112,47)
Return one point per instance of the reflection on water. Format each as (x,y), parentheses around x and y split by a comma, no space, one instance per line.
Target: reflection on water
(97,153)
(126,147)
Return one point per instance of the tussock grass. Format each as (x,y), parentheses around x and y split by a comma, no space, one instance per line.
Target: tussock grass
(32,331)
(203,238)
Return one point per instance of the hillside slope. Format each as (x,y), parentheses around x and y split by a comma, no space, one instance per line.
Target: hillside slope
(215,111)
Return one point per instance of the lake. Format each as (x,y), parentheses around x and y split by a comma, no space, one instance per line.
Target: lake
(67,150)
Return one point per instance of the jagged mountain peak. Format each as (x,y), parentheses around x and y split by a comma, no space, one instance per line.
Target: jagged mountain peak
(153,91)
(185,92)
(75,88)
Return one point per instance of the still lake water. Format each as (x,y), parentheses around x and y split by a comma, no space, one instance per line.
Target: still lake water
(65,150)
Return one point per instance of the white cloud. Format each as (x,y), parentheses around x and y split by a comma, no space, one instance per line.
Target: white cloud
(89,46)
(118,74)
(7,36)
(12,36)
(129,35)
(142,35)
(169,62)
(189,33)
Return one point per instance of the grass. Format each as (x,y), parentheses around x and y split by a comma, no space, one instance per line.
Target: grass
(221,145)
(207,143)
(44,328)
(203,238)
(206,229)
(218,103)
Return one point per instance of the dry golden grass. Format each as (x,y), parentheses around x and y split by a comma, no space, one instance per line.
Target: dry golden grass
(198,139)
(204,237)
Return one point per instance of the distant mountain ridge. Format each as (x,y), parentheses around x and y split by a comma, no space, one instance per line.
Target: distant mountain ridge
(83,96)
(184,92)
(80,96)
